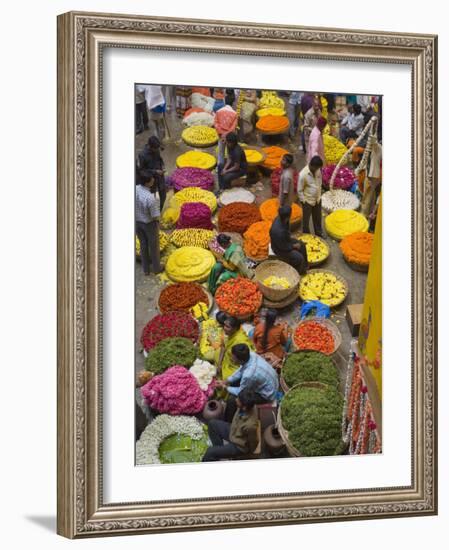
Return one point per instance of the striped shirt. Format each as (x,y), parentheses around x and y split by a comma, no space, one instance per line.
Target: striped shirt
(257,375)
(147,205)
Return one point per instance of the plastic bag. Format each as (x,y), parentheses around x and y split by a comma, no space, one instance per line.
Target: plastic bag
(318,308)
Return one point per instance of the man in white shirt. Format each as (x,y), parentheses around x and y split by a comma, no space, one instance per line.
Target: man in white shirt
(352,124)
(309,191)
(147,223)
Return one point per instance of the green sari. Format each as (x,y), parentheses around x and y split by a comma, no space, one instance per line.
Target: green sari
(232,264)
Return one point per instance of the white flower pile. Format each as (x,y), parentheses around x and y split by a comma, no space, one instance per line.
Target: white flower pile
(204,372)
(199,119)
(338,199)
(163,426)
(237,195)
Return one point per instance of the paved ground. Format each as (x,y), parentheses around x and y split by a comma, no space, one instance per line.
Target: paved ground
(148,288)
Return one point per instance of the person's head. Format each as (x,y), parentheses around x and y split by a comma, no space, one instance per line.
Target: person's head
(270,319)
(287,160)
(150,183)
(246,400)
(220,317)
(316,163)
(231,140)
(284,213)
(153,143)
(231,325)
(316,105)
(356,109)
(240,353)
(224,240)
(321,123)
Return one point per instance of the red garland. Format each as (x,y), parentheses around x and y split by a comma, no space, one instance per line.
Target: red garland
(167,325)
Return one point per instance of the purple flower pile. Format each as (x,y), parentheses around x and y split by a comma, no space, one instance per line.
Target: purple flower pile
(192,177)
(176,391)
(195,215)
(343,180)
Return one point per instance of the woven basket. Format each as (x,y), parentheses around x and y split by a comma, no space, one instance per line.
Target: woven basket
(285,387)
(259,149)
(329,325)
(281,269)
(293,451)
(284,303)
(357,267)
(314,264)
(337,276)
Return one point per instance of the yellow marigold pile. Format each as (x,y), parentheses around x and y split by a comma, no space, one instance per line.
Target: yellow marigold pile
(194,194)
(322,286)
(192,237)
(196,159)
(342,223)
(317,249)
(333,149)
(200,135)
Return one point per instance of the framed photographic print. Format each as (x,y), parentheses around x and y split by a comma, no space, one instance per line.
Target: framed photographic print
(246,274)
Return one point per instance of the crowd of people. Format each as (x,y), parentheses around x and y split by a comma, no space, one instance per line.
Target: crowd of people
(248,363)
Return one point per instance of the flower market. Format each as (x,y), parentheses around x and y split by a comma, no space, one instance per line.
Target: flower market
(258,278)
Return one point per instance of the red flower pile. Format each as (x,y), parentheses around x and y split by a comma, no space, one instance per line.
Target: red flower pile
(167,325)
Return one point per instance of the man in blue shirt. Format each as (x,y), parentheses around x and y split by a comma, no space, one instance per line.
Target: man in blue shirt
(255,374)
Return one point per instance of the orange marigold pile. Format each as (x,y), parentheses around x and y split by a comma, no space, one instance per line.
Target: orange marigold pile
(269,211)
(274,156)
(357,247)
(257,240)
(273,123)
(237,217)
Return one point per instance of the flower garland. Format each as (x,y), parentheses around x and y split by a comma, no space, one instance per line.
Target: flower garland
(196,159)
(333,150)
(201,118)
(167,325)
(189,263)
(239,297)
(194,194)
(341,223)
(274,156)
(195,215)
(338,199)
(181,297)
(200,135)
(269,210)
(356,248)
(237,217)
(176,391)
(344,179)
(183,178)
(163,426)
(257,240)
(273,123)
(192,237)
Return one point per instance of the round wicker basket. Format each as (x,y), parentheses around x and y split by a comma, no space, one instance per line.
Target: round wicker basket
(293,451)
(329,325)
(357,267)
(337,276)
(285,387)
(259,150)
(208,294)
(281,269)
(319,262)
(283,303)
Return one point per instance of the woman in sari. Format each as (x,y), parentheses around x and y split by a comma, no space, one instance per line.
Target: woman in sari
(271,339)
(233,335)
(232,264)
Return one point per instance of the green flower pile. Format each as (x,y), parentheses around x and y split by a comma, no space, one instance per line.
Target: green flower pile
(169,352)
(312,417)
(309,366)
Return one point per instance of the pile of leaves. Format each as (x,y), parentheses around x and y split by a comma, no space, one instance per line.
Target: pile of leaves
(169,352)
(309,366)
(312,417)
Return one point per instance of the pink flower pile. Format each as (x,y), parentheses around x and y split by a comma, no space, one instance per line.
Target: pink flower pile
(343,180)
(175,391)
(195,215)
(192,177)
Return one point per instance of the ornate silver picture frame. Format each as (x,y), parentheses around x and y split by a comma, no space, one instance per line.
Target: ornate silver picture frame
(82,38)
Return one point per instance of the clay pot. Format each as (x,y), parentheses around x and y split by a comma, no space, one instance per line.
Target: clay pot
(213,410)
(273,440)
